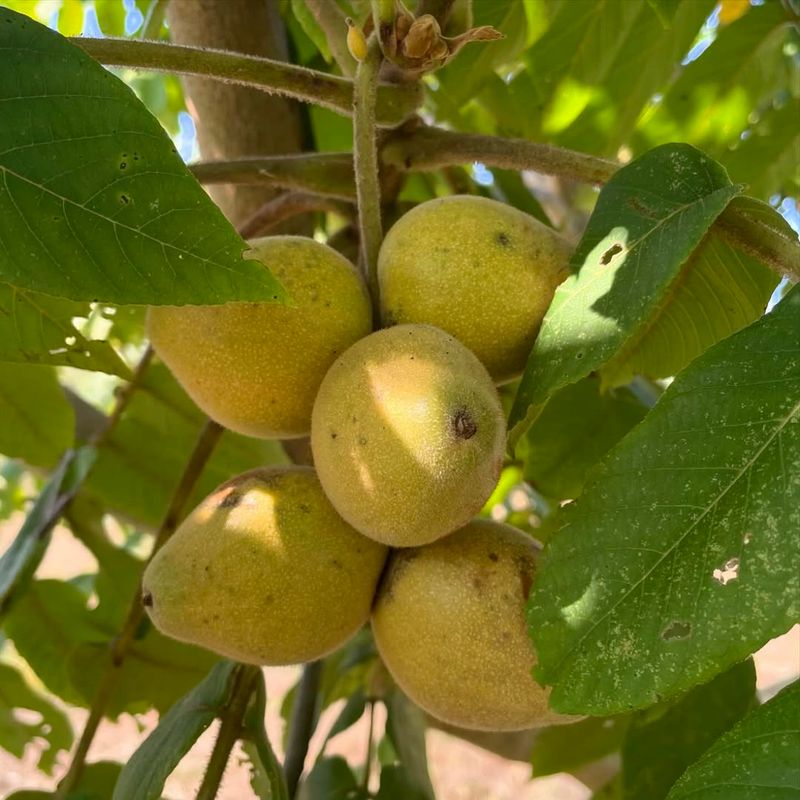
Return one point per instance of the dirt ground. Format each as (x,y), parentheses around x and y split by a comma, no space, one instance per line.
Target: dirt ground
(459,770)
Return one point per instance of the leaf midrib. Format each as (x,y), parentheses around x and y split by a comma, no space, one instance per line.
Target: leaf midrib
(116,224)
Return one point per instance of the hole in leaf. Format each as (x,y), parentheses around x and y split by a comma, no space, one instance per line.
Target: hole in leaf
(676,630)
(610,253)
(728,572)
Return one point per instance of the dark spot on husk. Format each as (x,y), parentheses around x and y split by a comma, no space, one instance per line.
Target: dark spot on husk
(231,500)
(493,557)
(502,238)
(147,600)
(525,577)
(464,426)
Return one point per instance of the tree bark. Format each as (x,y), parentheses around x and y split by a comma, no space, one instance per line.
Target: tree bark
(234,121)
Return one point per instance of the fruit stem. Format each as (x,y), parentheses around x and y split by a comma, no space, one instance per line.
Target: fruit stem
(206,442)
(394,103)
(368,757)
(365,164)
(301,724)
(243,683)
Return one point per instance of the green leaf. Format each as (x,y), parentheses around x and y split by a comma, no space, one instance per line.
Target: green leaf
(589,76)
(512,190)
(311,28)
(95,203)
(142,461)
(566,748)
(331,779)
(267,776)
(658,750)
(20,561)
(649,218)
(52,725)
(756,760)
(38,329)
(406,726)
(111,16)
(144,775)
(678,560)
(473,66)
(97,781)
(351,712)
(577,427)
(70,18)
(36,421)
(767,159)
(709,104)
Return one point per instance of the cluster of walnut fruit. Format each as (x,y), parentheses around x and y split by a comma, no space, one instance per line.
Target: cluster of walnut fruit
(284,564)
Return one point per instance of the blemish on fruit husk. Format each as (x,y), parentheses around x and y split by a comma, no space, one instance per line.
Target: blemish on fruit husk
(147,600)
(493,557)
(502,238)
(464,425)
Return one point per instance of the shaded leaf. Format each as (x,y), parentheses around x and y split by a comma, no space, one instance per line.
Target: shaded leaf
(406,726)
(767,160)
(38,329)
(351,712)
(142,461)
(144,775)
(46,624)
(94,201)
(756,760)
(577,427)
(465,75)
(566,748)
(709,104)
(36,421)
(678,561)
(20,561)
(397,785)
(52,726)
(589,76)
(649,218)
(157,671)
(331,779)
(658,750)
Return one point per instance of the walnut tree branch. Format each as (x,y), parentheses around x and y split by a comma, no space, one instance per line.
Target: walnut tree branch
(394,103)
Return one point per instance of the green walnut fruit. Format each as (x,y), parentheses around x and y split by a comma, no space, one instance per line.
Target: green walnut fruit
(481,270)
(408,435)
(255,367)
(449,623)
(264,571)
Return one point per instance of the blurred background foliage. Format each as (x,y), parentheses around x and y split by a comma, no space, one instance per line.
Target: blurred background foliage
(612,78)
